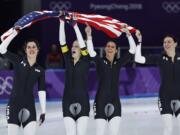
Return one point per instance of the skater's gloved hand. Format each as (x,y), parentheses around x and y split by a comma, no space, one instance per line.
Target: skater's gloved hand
(125,30)
(63,15)
(139,36)
(88,30)
(73,19)
(41,119)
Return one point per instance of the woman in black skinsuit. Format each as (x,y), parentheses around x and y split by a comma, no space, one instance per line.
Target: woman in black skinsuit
(169,93)
(21,106)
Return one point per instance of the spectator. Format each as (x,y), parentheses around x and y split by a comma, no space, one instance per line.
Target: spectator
(54,58)
(4,63)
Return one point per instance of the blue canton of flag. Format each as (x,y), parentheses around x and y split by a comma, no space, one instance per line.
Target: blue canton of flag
(33,17)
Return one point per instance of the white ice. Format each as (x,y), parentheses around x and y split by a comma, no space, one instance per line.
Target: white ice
(140,116)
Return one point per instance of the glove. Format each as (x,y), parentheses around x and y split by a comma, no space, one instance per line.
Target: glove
(41,119)
(63,15)
(11,31)
(73,20)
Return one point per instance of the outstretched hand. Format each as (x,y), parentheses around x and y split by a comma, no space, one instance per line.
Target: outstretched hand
(138,35)
(125,29)
(41,119)
(69,18)
(88,30)
(63,15)
(73,19)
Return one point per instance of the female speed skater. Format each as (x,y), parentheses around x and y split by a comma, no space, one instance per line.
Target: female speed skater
(75,99)
(21,106)
(107,106)
(169,93)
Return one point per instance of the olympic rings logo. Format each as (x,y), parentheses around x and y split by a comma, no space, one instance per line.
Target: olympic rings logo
(59,5)
(6,85)
(171,7)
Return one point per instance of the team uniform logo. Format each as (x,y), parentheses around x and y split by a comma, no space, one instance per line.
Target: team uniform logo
(94,108)
(7,112)
(37,70)
(23,63)
(160,105)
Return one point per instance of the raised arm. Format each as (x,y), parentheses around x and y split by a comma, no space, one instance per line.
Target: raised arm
(80,39)
(4,45)
(62,36)
(132,48)
(90,46)
(132,44)
(138,56)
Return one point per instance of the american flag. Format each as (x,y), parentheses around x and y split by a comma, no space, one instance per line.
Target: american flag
(29,19)
(109,25)
(34,17)
(112,27)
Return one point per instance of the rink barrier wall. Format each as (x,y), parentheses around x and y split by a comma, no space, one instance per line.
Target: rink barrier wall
(134,82)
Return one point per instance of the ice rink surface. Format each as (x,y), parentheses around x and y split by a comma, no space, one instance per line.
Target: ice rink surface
(140,116)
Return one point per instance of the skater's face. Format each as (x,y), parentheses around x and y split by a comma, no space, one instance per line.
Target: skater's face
(76,51)
(110,49)
(169,44)
(31,50)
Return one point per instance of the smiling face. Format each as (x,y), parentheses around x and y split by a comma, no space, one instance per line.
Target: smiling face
(169,44)
(110,49)
(31,49)
(76,51)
